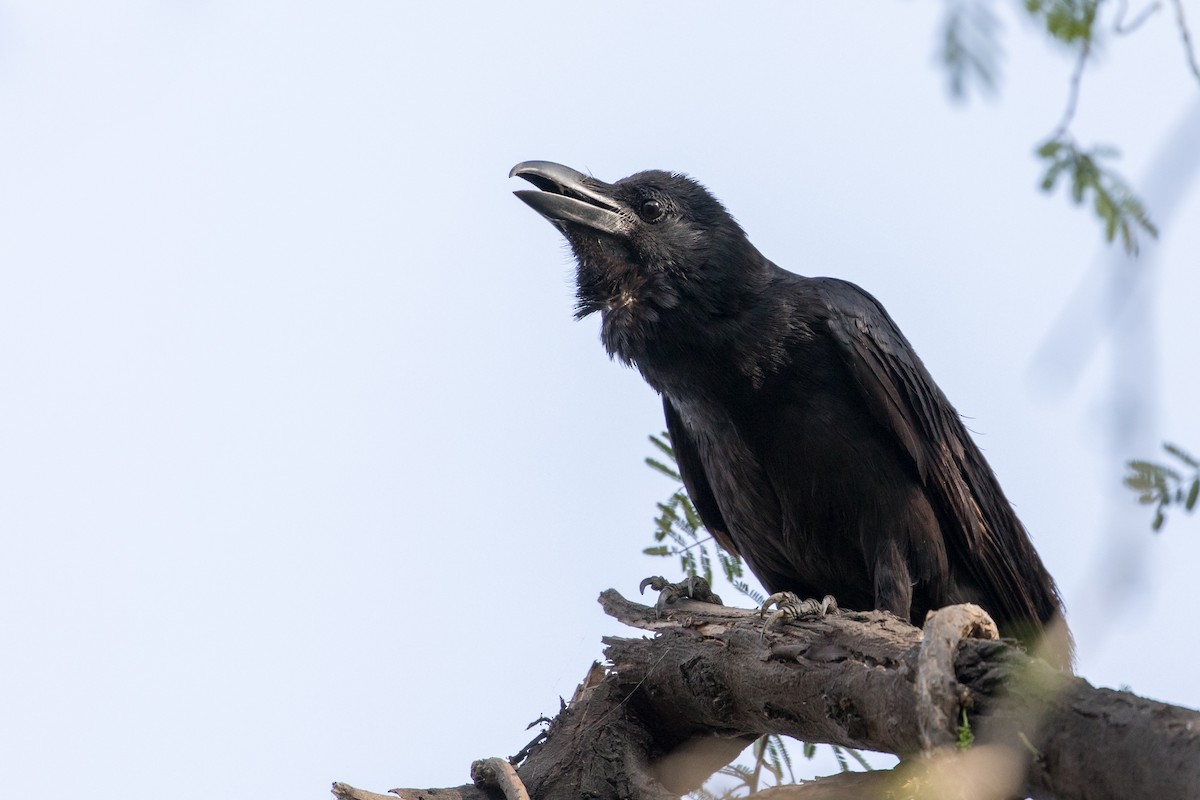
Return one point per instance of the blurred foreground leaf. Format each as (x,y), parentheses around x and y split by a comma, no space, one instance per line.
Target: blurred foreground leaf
(1163,486)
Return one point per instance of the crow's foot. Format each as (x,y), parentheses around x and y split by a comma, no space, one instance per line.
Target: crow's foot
(789,607)
(694,588)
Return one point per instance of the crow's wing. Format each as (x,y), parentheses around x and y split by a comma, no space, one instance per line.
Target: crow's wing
(981,531)
(687,458)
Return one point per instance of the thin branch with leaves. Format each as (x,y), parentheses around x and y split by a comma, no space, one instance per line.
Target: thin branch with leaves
(1114,202)
(969,50)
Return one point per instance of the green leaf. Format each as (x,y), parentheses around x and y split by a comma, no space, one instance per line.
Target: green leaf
(1181,454)
(663,468)
(1052,173)
(1049,148)
(1162,474)
(1138,482)
(1069,21)
(731,565)
(857,756)
(1079,181)
(970,50)
(706,565)
(662,442)
(690,517)
(1193,493)
(1114,203)
(657,551)
(966,737)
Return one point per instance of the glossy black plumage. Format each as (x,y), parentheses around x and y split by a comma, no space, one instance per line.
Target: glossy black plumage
(811,438)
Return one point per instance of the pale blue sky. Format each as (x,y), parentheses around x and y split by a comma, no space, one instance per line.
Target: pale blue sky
(306,472)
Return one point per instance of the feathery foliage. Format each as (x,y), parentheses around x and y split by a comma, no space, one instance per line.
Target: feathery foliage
(679,531)
(1068,21)
(1162,486)
(1115,204)
(969,50)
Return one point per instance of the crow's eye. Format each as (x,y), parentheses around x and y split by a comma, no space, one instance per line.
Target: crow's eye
(651,211)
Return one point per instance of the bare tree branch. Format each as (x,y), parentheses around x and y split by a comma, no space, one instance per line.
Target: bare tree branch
(1186,36)
(1073,91)
(668,712)
(1123,28)
(938,691)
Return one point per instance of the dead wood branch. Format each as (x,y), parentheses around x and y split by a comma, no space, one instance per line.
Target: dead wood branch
(939,694)
(669,711)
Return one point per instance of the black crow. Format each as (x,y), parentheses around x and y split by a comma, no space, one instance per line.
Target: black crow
(810,437)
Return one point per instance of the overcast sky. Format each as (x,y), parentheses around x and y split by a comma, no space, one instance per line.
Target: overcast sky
(306,471)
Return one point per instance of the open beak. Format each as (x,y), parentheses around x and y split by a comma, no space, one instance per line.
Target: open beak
(568,196)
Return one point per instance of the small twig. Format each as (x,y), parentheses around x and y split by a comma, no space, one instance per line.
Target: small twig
(541,737)
(543,719)
(1033,751)
(696,543)
(1119,25)
(1186,35)
(760,758)
(344,791)
(1085,50)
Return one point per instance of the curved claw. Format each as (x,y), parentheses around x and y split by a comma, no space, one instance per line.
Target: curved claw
(780,600)
(697,588)
(693,587)
(669,594)
(655,582)
(791,608)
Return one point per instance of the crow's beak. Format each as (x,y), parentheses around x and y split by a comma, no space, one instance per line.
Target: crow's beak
(569,196)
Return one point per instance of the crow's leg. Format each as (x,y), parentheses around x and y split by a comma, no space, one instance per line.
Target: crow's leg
(694,588)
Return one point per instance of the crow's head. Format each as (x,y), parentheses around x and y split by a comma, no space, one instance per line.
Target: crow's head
(657,255)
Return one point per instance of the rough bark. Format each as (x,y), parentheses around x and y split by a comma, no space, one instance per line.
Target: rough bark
(667,712)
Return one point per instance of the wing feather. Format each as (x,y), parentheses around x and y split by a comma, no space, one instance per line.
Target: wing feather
(695,480)
(978,520)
